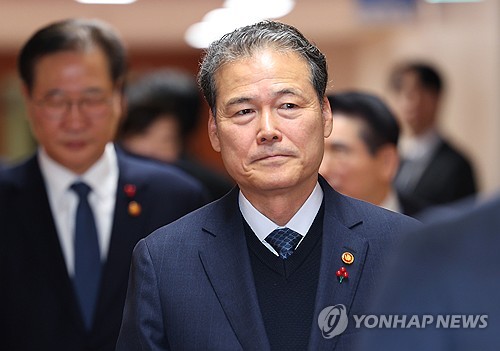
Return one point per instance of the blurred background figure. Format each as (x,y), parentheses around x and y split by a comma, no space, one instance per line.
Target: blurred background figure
(432,169)
(448,268)
(361,157)
(72,212)
(163,109)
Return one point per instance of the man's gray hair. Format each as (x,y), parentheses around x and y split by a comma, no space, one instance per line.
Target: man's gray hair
(245,41)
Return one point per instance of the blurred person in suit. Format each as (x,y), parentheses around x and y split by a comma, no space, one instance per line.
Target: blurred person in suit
(432,169)
(162,112)
(361,156)
(72,213)
(254,269)
(448,268)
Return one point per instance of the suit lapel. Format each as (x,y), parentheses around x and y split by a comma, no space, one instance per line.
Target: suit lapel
(34,203)
(227,264)
(337,239)
(126,231)
(428,177)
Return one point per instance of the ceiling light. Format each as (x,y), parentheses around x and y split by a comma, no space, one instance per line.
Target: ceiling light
(106,2)
(262,8)
(234,14)
(451,1)
(215,24)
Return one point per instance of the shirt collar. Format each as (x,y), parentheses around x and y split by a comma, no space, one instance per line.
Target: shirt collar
(391,202)
(300,222)
(100,177)
(419,146)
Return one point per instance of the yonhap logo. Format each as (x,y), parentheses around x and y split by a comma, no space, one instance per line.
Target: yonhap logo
(333,321)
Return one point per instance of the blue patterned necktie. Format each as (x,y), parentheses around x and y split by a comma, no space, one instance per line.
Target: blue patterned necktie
(284,240)
(87,256)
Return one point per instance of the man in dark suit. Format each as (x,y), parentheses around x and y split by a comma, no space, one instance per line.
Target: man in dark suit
(433,170)
(361,155)
(254,270)
(71,214)
(163,111)
(448,268)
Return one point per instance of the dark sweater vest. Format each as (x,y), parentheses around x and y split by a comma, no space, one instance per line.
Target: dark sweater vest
(286,289)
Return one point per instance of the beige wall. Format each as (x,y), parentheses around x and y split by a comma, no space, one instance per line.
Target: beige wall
(464,42)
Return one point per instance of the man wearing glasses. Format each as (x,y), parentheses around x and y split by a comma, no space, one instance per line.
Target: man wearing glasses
(71,214)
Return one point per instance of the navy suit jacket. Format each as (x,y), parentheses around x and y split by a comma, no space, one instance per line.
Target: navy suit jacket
(38,308)
(192,287)
(450,267)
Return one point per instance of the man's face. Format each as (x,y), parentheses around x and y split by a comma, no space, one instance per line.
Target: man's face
(415,106)
(74,109)
(161,140)
(270,127)
(348,165)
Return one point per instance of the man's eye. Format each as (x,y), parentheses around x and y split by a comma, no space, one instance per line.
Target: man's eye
(288,106)
(341,149)
(55,102)
(244,112)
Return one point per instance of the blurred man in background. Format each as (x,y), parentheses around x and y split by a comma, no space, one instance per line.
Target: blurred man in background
(163,111)
(72,213)
(432,169)
(361,157)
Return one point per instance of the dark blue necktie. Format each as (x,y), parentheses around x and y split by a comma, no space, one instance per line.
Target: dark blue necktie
(87,256)
(284,240)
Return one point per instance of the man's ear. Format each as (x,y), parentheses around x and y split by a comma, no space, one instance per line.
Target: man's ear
(327,117)
(389,158)
(213,132)
(25,92)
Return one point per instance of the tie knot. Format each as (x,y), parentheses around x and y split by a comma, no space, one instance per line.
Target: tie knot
(284,240)
(82,189)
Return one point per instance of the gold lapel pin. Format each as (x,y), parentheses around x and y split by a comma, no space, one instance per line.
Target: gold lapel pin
(347,257)
(134,209)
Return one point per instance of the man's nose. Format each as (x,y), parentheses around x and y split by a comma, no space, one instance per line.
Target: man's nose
(269,128)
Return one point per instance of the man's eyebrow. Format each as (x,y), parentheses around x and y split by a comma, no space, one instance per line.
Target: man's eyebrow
(53,92)
(59,91)
(238,100)
(337,145)
(287,91)
(244,99)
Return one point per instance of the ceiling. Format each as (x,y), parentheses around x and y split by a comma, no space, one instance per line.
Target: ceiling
(161,24)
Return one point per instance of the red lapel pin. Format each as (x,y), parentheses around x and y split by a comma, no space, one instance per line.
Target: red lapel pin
(130,190)
(342,274)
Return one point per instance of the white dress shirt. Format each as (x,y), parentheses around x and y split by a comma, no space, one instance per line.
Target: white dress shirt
(102,178)
(416,153)
(300,222)
(420,147)
(391,202)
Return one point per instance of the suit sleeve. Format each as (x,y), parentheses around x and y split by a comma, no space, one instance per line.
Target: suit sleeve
(142,324)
